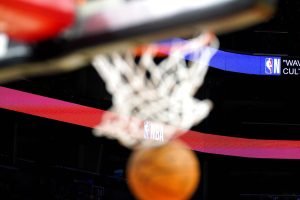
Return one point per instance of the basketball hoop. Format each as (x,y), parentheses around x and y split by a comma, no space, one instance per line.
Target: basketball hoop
(159,94)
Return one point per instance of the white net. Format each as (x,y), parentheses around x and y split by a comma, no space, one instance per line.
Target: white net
(152,101)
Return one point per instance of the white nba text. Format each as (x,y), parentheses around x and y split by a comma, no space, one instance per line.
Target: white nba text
(153,131)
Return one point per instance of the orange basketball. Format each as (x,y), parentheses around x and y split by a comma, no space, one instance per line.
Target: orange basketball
(168,172)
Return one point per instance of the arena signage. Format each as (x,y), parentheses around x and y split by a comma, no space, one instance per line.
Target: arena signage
(290,66)
(89,117)
(255,64)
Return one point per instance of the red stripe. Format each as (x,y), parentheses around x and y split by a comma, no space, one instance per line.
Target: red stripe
(89,117)
(49,108)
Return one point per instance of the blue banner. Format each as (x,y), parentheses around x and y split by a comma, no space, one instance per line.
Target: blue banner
(249,64)
(246,64)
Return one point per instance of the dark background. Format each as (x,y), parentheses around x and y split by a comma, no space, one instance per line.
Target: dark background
(46,159)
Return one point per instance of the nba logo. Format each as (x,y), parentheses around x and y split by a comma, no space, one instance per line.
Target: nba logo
(273,66)
(147,129)
(269,65)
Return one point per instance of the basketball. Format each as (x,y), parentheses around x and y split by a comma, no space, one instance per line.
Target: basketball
(167,172)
